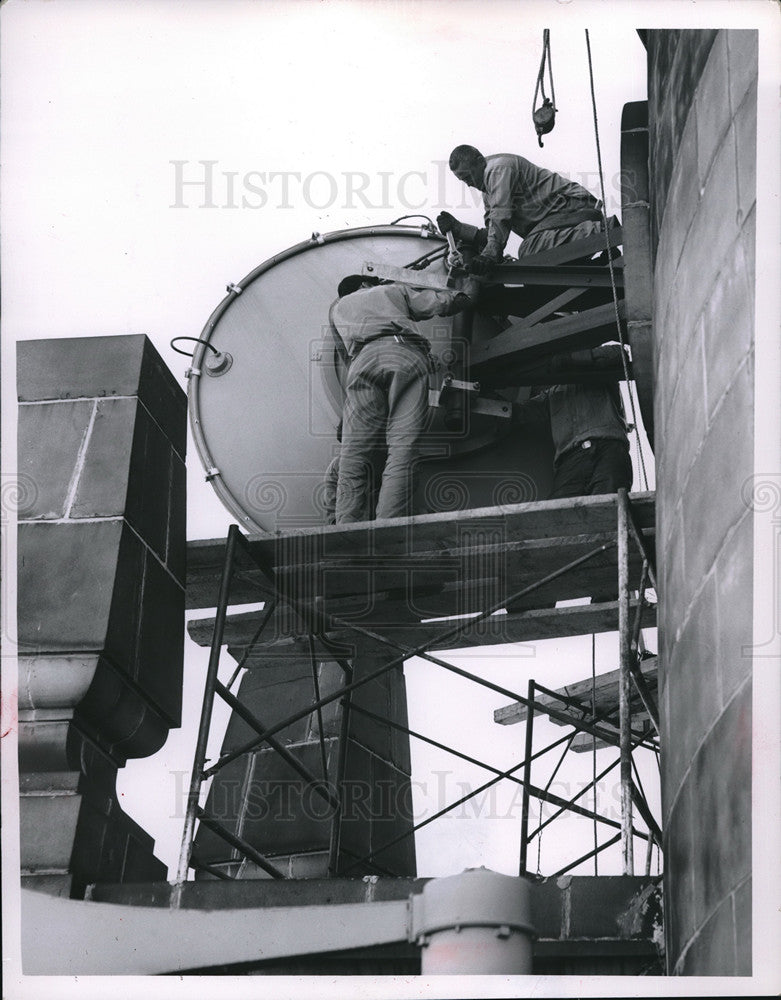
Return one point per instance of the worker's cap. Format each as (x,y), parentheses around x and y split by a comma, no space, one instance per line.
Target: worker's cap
(353,282)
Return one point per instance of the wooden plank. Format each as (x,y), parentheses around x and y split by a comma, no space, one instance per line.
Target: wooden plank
(605,697)
(529,271)
(520,344)
(524,626)
(551,519)
(435,542)
(457,583)
(514,565)
(204,567)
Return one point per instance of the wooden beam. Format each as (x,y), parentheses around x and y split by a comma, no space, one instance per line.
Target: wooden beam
(605,695)
(520,344)
(429,543)
(522,626)
(528,271)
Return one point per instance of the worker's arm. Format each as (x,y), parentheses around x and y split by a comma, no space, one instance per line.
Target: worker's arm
(423,303)
(468,233)
(605,356)
(533,415)
(500,183)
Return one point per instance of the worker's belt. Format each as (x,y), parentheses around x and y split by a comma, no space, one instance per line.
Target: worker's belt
(564,220)
(400,338)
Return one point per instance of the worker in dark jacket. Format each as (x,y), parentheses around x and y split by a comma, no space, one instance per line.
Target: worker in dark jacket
(588,427)
(386,395)
(542,207)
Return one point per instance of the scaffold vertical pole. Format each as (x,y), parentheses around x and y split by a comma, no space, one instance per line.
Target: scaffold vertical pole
(527,779)
(335,843)
(625,683)
(199,758)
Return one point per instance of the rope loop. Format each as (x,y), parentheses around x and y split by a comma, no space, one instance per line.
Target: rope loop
(544,116)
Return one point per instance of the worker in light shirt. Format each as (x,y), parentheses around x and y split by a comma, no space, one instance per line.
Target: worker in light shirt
(542,207)
(386,393)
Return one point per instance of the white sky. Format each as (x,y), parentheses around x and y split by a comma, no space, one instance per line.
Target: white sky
(100,97)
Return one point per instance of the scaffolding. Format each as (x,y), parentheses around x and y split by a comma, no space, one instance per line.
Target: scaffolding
(461,568)
(549,551)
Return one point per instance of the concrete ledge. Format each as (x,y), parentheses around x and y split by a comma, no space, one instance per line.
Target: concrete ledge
(582,907)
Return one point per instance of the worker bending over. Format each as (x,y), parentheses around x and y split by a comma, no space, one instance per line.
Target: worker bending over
(588,427)
(386,395)
(542,207)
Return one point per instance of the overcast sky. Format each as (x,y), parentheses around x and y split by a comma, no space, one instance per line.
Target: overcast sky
(157,150)
(154,151)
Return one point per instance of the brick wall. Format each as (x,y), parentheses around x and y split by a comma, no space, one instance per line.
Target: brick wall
(102,432)
(702,103)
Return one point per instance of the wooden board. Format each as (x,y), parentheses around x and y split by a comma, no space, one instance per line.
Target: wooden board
(525,626)
(521,540)
(605,696)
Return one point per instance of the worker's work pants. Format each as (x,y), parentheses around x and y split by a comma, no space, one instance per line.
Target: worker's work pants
(386,403)
(546,239)
(605,467)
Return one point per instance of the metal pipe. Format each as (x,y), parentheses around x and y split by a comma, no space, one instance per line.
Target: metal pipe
(566,805)
(585,857)
(408,653)
(624,684)
(241,845)
(639,609)
(637,535)
(437,815)
(649,850)
(316,688)
(478,922)
(637,676)
(539,793)
(320,785)
(527,772)
(267,613)
(197,776)
(645,696)
(573,800)
(442,746)
(645,812)
(594,744)
(335,840)
(201,866)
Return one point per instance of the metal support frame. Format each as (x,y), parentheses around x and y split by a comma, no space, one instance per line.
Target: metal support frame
(319,623)
(527,781)
(632,797)
(197,775)
(624,686)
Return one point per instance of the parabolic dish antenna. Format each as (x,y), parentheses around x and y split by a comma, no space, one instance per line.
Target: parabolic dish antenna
(265,393)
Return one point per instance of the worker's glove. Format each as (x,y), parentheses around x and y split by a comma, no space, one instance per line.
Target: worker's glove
(481,265)
(448,224)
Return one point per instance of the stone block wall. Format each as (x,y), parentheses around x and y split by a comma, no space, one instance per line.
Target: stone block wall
(262,799)
(702,89)
(101,542)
